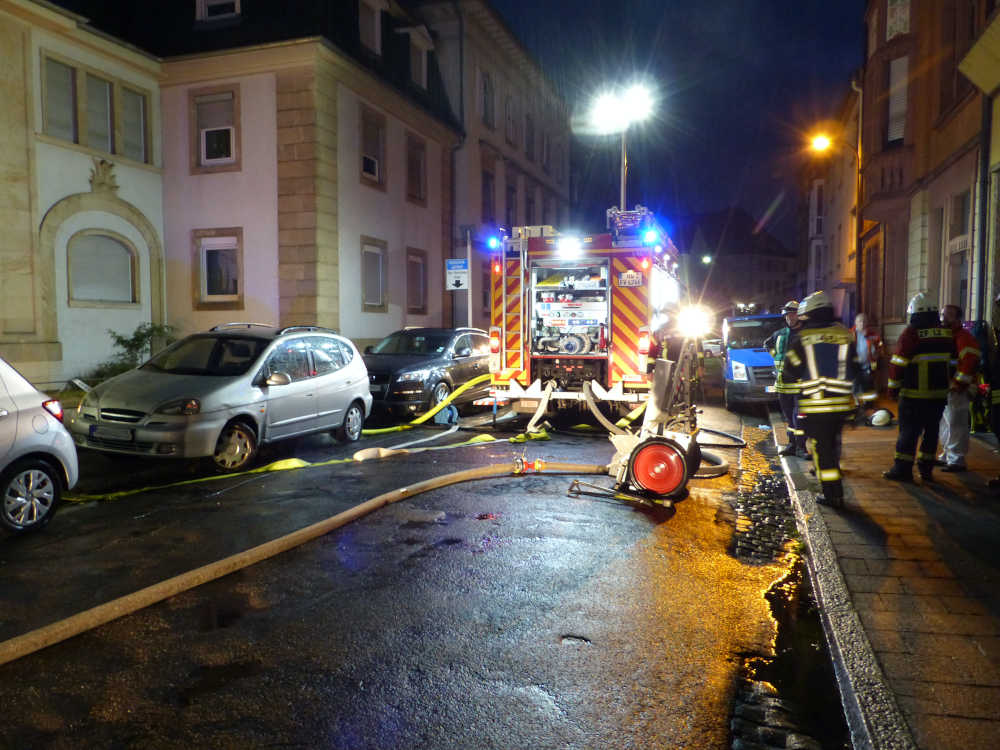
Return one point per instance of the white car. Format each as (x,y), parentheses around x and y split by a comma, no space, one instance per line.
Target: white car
(712,347)
(37,456)
(225,392)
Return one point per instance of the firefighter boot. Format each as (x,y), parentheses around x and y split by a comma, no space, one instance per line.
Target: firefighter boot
(900,472)
(926,469)
(831,501)
(788,450)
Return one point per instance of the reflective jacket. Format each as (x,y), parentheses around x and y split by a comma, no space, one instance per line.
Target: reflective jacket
(919,366)
(821,364)
(965,366)
(777,345)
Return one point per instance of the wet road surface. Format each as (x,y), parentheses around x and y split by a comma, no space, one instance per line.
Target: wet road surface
(497,613)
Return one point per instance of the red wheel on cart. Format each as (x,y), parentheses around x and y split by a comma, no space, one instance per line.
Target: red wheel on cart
(658,466)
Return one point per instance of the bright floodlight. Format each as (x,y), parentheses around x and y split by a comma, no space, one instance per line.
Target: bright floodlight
(569,247)
(706,259)
(694,322)
(638,103)
(607,114)
(820,143)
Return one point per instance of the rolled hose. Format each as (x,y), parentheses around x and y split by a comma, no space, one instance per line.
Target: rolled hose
(48,635)
(428,414)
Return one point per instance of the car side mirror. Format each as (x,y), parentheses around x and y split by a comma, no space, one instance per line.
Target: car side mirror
(368,349)
(278,378)
(464,352)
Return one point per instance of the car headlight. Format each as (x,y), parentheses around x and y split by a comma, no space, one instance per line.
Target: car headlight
(739,371)
(186,406)
(413,375)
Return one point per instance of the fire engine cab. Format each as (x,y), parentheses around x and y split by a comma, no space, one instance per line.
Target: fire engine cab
(573,316)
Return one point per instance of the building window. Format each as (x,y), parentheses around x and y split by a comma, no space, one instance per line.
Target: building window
(488,198)
(529,138)
(416,169)
(215,129)
(487,102)
(218,268)
(82,106)
(100,115)
(372,147)
(416,281)
(102,270)
(418,65)
(546,152)
(511,206)
(214,10)
(547,210)
(960,206)
(898,81)
(958,29)
(370,24)
(510,121)
(897,18)
(373,275)
(529,209)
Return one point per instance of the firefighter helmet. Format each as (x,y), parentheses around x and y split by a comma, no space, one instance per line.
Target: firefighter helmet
(814,302)
(922,302)
(790,306)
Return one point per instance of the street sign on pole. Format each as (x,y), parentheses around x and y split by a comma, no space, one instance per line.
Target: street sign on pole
(456,274)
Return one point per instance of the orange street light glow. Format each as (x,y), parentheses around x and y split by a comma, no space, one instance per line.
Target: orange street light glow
(820,143)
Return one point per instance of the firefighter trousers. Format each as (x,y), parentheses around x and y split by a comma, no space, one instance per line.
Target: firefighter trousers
(953,433)
(822,431)
(789,403)
(919,420)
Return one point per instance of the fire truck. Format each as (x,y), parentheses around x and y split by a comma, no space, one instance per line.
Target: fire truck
(573,316)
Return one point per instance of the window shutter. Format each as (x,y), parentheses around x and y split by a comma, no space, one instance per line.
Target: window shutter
(898,74)
(60,100)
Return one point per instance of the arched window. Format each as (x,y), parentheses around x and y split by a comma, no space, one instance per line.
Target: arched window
(101,269)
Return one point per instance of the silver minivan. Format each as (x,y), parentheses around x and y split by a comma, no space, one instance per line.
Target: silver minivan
(226,392)
(37,457)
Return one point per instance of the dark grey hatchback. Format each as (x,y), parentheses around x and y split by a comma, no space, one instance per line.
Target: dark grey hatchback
(414,369)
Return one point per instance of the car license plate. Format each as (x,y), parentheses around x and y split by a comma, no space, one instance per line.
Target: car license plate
(104,432)
(373,388)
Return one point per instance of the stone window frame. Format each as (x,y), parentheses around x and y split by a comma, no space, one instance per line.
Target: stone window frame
(135,271)
(413,141)
(414,252)
(197,279)
(384,247)
(194,145)
(367,111)
(80,73)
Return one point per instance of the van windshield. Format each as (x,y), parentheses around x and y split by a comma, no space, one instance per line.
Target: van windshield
(751,334)
(208,355)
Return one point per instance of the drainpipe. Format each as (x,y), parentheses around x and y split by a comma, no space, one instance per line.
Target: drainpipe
(858,223)
(985,131)
(455,149)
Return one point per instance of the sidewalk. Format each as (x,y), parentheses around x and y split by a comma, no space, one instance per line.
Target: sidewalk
(908,581)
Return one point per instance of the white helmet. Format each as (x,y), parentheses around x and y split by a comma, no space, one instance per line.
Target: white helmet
(881,418)
(814,302)
(922,302)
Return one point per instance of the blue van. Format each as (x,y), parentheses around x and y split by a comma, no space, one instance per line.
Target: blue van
(748,366)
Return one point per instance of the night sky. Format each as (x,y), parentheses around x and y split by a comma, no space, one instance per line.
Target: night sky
(739,84)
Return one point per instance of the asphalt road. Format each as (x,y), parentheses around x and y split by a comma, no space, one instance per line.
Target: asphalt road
(497,613)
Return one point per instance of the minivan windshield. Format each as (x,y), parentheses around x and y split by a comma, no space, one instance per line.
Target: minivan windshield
(420,343)
(751,334)
(209,355)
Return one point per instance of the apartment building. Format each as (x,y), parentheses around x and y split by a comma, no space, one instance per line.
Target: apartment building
(81,249)
(512,167)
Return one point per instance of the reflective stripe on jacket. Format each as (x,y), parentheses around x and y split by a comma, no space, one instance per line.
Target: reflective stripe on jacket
(821,364)
(919,366)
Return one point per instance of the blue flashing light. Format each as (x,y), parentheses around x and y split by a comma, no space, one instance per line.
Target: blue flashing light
(493,243)
(650,237)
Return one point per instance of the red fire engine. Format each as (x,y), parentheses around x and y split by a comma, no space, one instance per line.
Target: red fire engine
(573,317)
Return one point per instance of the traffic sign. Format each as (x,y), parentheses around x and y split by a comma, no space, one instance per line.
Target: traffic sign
(456,274)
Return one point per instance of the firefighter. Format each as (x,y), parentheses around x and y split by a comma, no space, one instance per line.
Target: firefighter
(992,373)
(821,364)
(918,376)
(777,345)
(954,428)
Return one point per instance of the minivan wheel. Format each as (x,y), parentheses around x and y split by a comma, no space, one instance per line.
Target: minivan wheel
(236,448)
(354,419)
(440,393)
(31,491)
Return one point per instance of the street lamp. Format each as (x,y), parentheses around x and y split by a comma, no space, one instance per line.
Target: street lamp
(613,112)
(706,259)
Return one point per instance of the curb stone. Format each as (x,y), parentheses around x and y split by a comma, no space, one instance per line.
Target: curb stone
(873,716)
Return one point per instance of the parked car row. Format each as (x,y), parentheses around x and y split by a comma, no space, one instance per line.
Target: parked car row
(223,394)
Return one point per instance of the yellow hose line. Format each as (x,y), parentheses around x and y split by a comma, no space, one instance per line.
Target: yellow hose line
(48,635)
(429,414)
(632,415)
